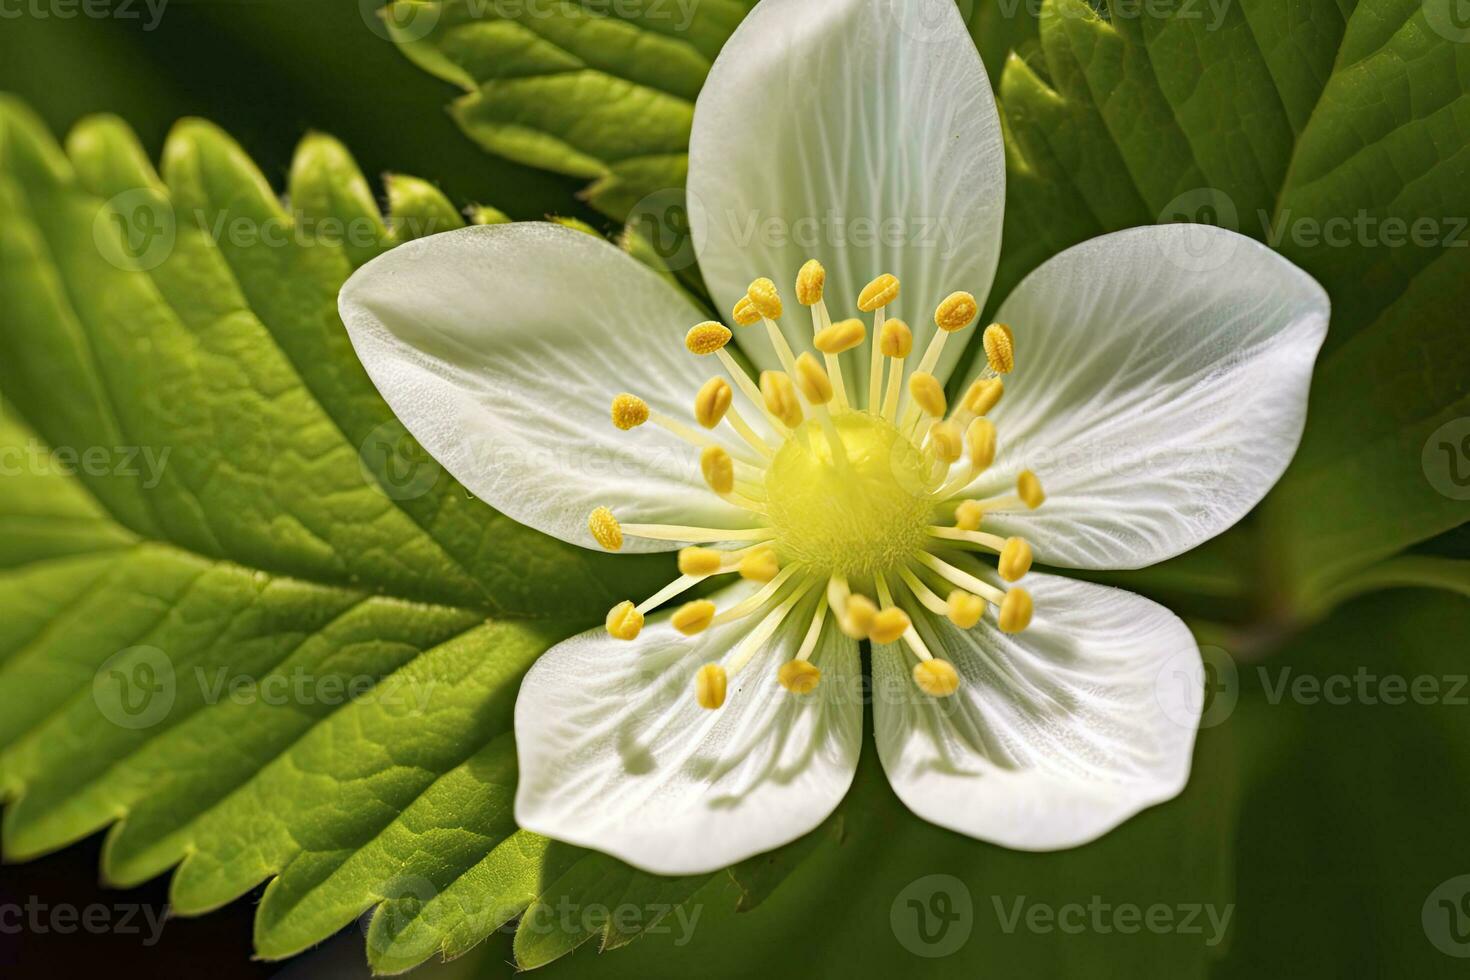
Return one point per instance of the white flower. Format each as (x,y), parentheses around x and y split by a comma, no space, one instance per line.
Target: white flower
(1158,403)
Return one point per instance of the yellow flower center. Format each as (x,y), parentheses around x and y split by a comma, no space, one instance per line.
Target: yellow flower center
(848,495)
(857,520)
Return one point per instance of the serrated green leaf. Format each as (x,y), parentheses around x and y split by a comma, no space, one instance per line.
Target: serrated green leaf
(602,92)
(1284,121)
(253,631)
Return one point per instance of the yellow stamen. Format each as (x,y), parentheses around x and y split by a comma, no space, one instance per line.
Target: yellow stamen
(629,411)
(683,532)
(799,676)
(709,686)
(1015,559)
(712,402)
(964,608)
(718,469)
(810,281)
(841,336)
(936,678)
(857,619)
(624,621)
(815,384)
(744,314)
(981,439)
(927,393)
(1028,488)
(968,514)
(888,625)
(605,529)
(707,337)
(765,298)
(983,395)
(1000,348)
(955,312)
(693,617)
(760,565)
(946,442)
(1015,611)
(700,561)
(879,292)
(780,398)
(895,339)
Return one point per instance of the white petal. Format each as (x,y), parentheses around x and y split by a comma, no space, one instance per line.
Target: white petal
(1056,734)
(615,754)
(1160,390)
(501,349)
(862,133)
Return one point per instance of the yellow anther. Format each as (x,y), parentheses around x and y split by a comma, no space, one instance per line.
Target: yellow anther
(760,566)
(799,676)
(888,625)
(1015,559)
(1028,488)
(879,292)
(964,609)
(707,337)
(955,312)
(813,379)
(981,438)
(927,393)
(1015,611)
(693,617)
(764,297)
(983,395)
(712,402)
(968,515)
(780,397)
(1000,348)
(709,686)
(946,441)
(699,561)
(810,281)
(605,529)
(936,678)
(745,313)
(718,469)
(841,336)
(624,621)
(858,618)
(629,411)
(895,339)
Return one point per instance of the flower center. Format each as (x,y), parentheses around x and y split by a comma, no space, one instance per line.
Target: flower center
(847,493)
(860,519)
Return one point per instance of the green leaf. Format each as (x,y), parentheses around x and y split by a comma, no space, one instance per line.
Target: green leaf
(253,630)
(1353,808)
(600,91)
(1292,123)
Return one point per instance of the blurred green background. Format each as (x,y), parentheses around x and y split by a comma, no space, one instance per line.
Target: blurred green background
(1345,818)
